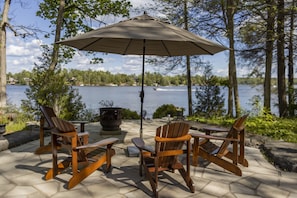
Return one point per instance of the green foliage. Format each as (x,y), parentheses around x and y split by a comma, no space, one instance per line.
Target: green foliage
(256,105)
(90,115)
(278,128)
(210,101)
(80,16)
(100,78)
(215,120)
(71,105)
(165,110)
(292,106)
(266,124)
(14,119)
(129,114)
(18,123)
(48,87)
(93,115)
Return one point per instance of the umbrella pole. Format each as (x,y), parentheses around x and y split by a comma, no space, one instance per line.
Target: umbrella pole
(142,90)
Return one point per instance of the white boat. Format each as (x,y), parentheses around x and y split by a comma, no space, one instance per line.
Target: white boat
(169,89)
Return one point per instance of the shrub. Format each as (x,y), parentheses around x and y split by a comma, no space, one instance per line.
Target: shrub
(90,115)
(129,115)
(165,110)
(266,125)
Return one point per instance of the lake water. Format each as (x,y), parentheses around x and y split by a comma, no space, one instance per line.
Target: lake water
(128,97)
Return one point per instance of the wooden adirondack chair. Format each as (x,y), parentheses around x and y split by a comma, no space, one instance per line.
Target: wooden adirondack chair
(169,139)
(46,123)
(84,158)
(47,114)
(221,154)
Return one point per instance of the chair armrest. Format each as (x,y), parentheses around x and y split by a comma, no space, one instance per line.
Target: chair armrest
(102,143)
(213,130)
(83,134)
(209,130)
(139,143)
(177,139)
(213,137)
(68,134)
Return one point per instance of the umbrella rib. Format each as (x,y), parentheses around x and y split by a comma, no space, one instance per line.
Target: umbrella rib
(169,54)
(125,51)
(202,48)
(89,44)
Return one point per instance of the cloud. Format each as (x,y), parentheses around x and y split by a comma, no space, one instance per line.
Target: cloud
(22,53)
(139,3)
(17,46)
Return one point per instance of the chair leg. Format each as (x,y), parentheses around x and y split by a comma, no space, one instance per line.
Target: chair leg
(43,149)
(109,153)
(186,174)
(85,172)
(140,164)
(241,158)
(195,152)
(60,167)
(221,162)
(150,177)
(41,131)
(187,179)
(228,166)
(244,162)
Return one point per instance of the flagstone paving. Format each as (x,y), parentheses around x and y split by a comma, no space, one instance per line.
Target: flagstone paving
(22,174)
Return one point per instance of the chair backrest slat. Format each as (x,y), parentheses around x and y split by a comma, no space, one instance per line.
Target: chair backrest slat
(172,130)
(234,131)
(48,113)
(63,126)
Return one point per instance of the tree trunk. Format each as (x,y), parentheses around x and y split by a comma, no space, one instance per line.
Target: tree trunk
(231,9)
(190,105)
(59,25)
(269,54)
(291,63)
(3,53)
(281,60)
(230,93)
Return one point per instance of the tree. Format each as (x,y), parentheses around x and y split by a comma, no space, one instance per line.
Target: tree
(276,21)
(3,25)
(291,97)
(77,16)
(219,18)
(270,35)
(49,87)
(17,30)
(210,101)
(281,79)
(180,12)
(231,9)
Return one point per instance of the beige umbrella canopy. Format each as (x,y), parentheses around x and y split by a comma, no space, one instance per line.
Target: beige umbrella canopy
(127,37)
(143,35)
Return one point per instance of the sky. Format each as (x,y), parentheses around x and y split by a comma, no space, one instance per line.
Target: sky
(22,53)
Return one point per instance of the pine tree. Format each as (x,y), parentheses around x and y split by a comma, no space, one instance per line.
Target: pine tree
(210,101)
(49,87)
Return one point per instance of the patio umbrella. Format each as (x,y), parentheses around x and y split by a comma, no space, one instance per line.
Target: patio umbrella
(143,35)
